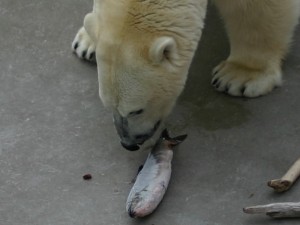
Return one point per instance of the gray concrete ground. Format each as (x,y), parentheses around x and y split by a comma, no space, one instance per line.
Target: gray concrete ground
(53,129)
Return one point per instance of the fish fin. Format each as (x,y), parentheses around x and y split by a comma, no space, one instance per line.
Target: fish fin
(138,172)
(173,141)
(180,138)
(140,169)
(177,140)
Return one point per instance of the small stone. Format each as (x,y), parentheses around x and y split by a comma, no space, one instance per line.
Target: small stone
(87,176)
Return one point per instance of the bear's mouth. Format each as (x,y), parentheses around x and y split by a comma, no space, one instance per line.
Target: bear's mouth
(130,147)
(140,139)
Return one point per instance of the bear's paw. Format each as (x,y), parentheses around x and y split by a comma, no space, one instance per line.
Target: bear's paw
(238,80)
(83,46)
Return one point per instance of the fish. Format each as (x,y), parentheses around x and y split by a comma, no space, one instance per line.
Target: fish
(153,179)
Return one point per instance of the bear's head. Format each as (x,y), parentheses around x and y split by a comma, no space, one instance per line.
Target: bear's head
(142,68)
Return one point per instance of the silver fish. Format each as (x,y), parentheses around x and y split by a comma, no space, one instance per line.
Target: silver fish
(152,181)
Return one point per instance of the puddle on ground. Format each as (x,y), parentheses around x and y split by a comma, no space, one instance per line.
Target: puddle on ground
(216,113)
(209,110)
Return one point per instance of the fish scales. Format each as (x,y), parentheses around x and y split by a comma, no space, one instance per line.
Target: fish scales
(152,181)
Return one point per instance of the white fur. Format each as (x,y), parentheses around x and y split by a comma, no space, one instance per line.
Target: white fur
(259,32)
(144,49)
(143,58)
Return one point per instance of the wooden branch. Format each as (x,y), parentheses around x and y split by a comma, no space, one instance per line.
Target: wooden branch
(285,183)
(276,210)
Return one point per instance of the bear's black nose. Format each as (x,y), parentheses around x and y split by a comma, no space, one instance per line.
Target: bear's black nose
(130,147)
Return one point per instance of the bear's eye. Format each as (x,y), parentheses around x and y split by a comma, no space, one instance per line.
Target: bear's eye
(134,113)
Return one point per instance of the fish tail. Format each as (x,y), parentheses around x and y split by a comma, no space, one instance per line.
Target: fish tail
(173,141)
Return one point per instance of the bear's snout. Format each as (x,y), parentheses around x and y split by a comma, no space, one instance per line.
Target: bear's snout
(131,140)
(130,147)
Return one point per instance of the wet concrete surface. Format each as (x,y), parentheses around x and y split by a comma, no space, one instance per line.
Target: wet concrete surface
(54,129)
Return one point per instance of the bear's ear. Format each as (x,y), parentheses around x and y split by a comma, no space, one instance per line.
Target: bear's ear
(91,25)
(163,50)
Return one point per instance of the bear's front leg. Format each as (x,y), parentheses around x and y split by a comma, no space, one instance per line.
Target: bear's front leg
(83,46)
(259,32)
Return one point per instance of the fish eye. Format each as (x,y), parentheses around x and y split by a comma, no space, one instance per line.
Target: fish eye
(138,112)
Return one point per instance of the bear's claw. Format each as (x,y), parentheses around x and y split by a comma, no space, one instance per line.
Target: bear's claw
(83,46)
(239,80)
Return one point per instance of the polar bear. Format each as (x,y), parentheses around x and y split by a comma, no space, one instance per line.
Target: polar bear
(143,50)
